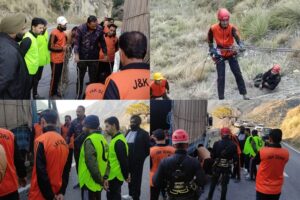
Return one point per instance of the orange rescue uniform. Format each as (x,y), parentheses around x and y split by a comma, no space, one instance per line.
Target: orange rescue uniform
(157,153)
(158,90)
(56,154)
(269,179)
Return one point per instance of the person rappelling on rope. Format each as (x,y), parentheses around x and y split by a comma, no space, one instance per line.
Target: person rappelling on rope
(224,34)
(159,87)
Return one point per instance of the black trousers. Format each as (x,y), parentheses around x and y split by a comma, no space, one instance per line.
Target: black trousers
(154,193)
(56,69)
(93,71)
(247,163)
(105,69)
(235,68)
(36,78)
(87,194)
(237,170)
(253,169)
(114,191)
(261,196)
(11,196)
(136,172)
(224,182)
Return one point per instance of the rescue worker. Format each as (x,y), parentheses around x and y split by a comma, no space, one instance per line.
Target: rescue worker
(180,174)
(236,173)
(44,58)
(112,44)
(15,167)
(75,131)
(15,81)
(3,163)
(94,91)
(242,137)
(253,144)
(269,79)
(118,160)
(64,133)
(86,48)
(159,87)
(92,160)
(272,159)
(224,152)
(157,153)
(57,47)
(50,171)
(138,141)
(107,21)
(224,34)
(30,49)
(132,82)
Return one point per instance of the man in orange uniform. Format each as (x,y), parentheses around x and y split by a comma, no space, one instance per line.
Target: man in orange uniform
(57,46)
(50,171)
(159,87)
(272,158)
(133,81)
(106,64)
(15,167)
(224,35)
(157,153)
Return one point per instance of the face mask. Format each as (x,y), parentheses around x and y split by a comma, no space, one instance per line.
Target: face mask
(19,37)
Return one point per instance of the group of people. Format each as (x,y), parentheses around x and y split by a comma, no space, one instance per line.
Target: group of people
(221,38)
(94,44)
(99,164)
(175,174)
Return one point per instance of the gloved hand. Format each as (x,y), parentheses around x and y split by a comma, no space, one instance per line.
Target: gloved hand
(242,47)
(213,51)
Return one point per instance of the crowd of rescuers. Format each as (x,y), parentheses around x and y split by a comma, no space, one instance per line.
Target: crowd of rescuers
(100,165)
(94,46)
(175,174)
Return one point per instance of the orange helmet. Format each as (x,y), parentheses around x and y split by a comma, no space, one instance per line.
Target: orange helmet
(225,131)
(223,14)
(276,69)
(180,136)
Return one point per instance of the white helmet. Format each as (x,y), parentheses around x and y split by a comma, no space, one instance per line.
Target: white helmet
(62,20)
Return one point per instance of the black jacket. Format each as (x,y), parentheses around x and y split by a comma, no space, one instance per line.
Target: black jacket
(225,148)
(167,166)
(14,76)
(140,149)
(272,80)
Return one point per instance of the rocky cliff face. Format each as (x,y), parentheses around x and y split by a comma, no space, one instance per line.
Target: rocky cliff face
(50,9)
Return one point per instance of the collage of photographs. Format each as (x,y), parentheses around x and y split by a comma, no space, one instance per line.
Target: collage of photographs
(149,100)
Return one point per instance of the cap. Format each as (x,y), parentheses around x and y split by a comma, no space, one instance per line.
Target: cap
(91,121)
(61,20)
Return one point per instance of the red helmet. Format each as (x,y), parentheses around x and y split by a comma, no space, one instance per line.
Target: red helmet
(276,69)
(223,14)
(225,131)
(180,136)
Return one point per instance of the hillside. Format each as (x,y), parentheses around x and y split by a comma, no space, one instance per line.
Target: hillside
(75,10)
(282,114)
(179,48)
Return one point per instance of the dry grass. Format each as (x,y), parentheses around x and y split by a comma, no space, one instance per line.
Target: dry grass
(291,126)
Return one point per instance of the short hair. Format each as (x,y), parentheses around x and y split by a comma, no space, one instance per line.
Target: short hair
(92,18)
(134,44)
(276,135)
(82,107)
(44,21)
(69,116)
(242,128)
(113,121)
(136,118)
(50,116)
(112,25)
(254,132)
(37,21)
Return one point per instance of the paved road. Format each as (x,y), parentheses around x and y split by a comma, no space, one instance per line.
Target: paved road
(70,93)
(72,194)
